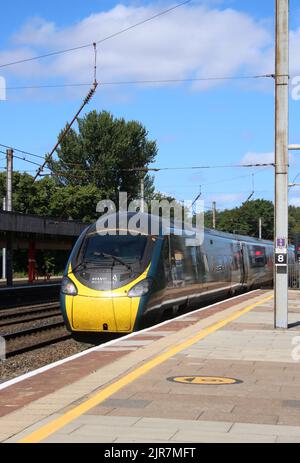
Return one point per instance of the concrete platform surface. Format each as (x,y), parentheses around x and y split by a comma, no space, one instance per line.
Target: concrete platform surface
(145,387)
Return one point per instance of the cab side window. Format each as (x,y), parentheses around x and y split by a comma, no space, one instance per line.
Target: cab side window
(257,256)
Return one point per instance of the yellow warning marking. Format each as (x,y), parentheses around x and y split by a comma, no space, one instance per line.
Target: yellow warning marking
(101,396)
(206,380)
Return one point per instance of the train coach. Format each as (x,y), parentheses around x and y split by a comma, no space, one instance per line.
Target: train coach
(115,282)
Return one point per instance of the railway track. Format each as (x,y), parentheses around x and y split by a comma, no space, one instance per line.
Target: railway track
(9,317)
(31,327)
(24,340)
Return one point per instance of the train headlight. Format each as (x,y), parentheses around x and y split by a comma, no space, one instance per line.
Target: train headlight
(68,287)
(140,289)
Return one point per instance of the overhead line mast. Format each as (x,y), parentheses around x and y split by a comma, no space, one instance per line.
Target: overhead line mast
(281,163)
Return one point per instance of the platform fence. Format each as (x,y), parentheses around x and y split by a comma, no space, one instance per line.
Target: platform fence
(294,276)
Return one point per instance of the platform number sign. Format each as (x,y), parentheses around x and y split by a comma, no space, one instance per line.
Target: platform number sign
(280,258)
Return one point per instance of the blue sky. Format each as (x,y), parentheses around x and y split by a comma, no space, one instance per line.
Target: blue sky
(215,123)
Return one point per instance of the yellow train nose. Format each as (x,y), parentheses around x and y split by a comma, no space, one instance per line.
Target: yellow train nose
(103,314)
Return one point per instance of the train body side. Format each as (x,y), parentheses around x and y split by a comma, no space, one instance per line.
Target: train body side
(219,267)
(174,276)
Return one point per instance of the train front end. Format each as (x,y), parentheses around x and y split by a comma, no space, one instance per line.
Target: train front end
(107,283)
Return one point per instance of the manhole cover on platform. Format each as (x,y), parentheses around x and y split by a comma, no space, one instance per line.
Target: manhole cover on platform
(204,380)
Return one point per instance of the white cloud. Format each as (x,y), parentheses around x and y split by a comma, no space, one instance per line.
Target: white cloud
(36,31)
(193,41)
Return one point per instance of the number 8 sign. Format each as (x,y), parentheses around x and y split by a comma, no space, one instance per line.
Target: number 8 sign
(280,259)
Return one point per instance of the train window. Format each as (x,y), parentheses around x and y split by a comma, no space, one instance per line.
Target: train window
(257,255)
(127,247)
(181,261)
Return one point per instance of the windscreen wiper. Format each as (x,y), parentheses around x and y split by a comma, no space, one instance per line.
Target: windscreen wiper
(77,267)
(115,258)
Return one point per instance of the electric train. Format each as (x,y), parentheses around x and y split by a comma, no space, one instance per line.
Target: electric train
(113,283)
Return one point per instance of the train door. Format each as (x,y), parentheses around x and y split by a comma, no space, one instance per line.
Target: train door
(245,264)
(162,290)
(182,269)
(236,269)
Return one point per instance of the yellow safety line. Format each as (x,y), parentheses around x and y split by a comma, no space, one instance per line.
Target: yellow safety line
(104,394)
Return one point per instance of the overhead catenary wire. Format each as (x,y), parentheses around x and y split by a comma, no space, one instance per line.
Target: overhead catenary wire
(21,171)
(159,169)
(87,45)
(142,82)
(36,155)
(235,178)
(240,192)
(87,172)
(66,175)
(142,169)
(223,180)
(21,151)
(91,171)
(235,166)
(27,160)
(293,182)
(20,158)
(29,172)
(153,169)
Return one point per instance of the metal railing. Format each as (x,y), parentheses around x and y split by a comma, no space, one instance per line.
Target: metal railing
(294,276)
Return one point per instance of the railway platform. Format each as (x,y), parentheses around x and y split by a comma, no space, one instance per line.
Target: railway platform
(219,374)
(20,282)
(23,293)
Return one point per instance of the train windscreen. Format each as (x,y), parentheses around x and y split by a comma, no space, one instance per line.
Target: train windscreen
(128,248)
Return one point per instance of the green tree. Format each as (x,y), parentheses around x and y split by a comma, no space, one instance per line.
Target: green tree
(29,197)
(102,152)
(244,220)
(75,203)
(93,163)
(294,221)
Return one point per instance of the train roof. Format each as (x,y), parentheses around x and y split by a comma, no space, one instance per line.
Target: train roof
(173,225)
(237,237)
